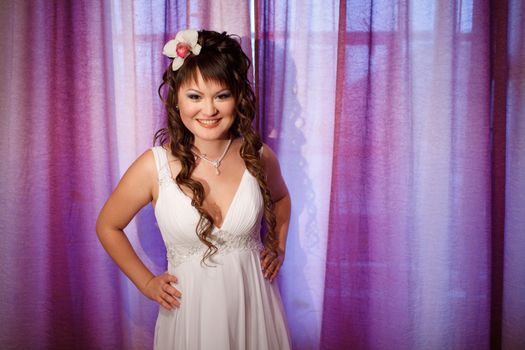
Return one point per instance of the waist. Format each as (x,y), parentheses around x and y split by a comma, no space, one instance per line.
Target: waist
(225,242)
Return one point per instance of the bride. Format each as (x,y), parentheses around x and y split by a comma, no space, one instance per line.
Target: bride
(212,182)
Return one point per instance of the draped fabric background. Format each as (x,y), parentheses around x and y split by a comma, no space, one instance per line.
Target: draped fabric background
(410,224)
(400,130)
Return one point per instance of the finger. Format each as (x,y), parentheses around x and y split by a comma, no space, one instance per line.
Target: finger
(275,273)
(170,300)
(266,252)
(169,290)
(163,303)
(272,263)
(273,267)
(173,291)
(169,278)
(273,278)
(264,263)
(267,260)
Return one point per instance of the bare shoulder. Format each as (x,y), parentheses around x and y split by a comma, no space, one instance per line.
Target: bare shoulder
(141,176)
(268,156)
(144,165)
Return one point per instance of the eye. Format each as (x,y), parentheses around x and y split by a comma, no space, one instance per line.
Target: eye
(194,97)
(224,95)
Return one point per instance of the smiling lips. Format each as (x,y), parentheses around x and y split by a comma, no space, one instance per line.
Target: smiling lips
(209,123)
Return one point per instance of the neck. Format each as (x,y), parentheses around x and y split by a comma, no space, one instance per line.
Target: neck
(211,148)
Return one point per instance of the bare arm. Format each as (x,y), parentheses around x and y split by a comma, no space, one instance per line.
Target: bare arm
(133,192)
(282,208)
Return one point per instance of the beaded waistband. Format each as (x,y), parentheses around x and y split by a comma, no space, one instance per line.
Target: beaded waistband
(224,241)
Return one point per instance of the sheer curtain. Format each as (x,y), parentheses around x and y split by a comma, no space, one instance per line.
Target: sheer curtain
(409,236)
(399,127)
(393,137)
(296,61)
(513,295)
(79,103)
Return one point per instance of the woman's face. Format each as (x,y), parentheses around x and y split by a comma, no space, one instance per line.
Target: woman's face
(207,109)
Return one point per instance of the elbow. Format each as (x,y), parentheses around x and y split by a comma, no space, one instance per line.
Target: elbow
(102,227)
(99,227)
(106,228)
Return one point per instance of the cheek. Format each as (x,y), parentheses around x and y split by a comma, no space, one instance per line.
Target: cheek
(187,112)
(229,109)
(187,109)
(186,117)
(187,122)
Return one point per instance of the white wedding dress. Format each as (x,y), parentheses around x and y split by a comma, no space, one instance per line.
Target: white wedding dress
(229,305)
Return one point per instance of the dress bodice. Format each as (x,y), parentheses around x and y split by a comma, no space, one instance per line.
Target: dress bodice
(178,219)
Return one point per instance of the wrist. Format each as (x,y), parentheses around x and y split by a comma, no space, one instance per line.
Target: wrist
(143,286)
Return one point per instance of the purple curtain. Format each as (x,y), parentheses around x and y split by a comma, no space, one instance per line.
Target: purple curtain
(408,262)
(56,121)
(400,130)
(296,66)
(79,102)
(513,295)
(407,205)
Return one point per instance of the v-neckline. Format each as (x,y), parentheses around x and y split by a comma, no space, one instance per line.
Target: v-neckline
(234,198)
(225,217)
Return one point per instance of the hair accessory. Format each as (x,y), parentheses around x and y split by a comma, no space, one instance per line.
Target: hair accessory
(179,48)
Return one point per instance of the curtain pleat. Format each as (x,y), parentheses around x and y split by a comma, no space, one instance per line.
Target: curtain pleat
(513,304)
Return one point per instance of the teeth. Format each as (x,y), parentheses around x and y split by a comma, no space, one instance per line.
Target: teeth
(208,121)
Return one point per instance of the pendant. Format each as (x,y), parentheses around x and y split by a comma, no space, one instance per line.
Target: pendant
(216,164)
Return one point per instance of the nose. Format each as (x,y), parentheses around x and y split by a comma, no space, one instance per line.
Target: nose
(209,108)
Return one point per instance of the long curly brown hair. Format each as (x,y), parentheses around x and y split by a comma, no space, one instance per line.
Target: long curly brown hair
(221,60)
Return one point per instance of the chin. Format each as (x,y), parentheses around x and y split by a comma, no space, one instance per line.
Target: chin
(211,135)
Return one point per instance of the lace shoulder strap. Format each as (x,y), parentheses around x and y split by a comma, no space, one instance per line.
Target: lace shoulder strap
(161,161)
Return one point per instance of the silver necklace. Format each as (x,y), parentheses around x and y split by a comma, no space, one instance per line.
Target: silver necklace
(217,162)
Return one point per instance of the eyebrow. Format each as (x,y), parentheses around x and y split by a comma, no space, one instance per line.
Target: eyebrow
(217,93)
